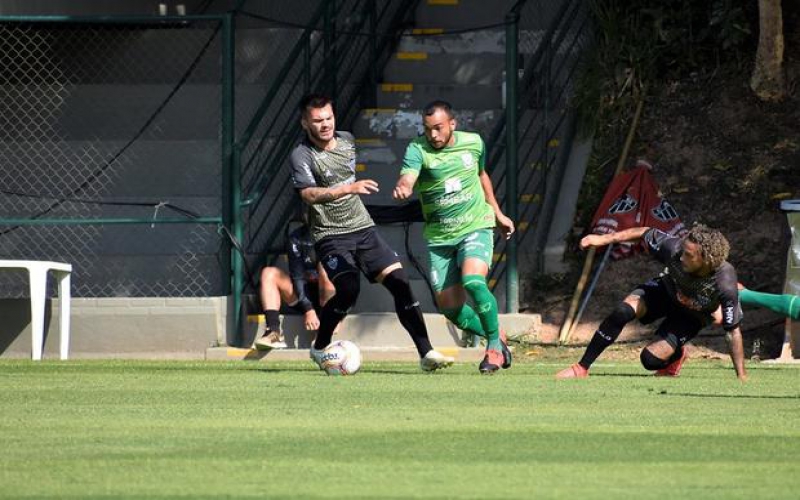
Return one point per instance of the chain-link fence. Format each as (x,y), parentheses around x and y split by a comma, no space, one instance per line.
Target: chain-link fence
(104,125)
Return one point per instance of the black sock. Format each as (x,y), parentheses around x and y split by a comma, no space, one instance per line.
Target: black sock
(329,318)
(273,320)
(607,333)
(676,355)
(408,310)
(335,310)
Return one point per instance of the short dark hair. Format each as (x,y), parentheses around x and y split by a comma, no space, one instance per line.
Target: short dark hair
(310,101)
(436,105)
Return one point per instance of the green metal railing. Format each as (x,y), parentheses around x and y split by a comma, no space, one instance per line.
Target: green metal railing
(339,54)
(532,144)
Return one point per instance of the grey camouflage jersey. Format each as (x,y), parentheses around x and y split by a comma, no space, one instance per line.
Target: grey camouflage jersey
(312,167)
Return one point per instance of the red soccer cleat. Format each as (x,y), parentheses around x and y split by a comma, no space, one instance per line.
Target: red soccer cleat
(492,362)
(574,371)
(673,369)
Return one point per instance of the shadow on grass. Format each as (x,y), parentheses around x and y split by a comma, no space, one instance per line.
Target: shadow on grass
(731,396)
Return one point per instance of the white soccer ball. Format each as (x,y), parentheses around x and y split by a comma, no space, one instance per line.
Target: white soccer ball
(341,357)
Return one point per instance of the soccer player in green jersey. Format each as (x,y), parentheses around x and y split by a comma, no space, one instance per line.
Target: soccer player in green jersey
(446,167)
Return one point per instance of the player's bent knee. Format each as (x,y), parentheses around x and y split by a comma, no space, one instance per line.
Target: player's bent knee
(652,362)
(269,274)
(622,314)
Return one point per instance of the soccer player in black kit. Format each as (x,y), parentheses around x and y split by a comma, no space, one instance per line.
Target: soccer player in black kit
(696,281)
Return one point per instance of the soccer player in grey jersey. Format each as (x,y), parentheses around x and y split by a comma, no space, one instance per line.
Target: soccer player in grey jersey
(345,239)
(696,282)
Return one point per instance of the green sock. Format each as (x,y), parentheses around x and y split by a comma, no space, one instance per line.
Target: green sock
(465,318)
(787,305)
(485,306)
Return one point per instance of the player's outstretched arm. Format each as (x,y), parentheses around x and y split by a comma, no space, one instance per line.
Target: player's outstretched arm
(601,240)
(404,187)
(314,195)
(737,353)
(505,224)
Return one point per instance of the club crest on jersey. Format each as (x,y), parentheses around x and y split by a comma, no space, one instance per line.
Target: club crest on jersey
(467,160)
(664,211)
(333,262)
(624,204)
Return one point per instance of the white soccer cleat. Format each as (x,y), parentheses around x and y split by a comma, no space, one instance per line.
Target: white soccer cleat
(317,356)
(435,360)
(269,341)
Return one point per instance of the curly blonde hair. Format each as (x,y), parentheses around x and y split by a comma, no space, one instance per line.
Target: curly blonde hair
(713,244)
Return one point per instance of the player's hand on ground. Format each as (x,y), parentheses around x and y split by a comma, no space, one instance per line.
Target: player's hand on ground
(505,225)
(592,240)
(366,186)
(311,320)
(402,192)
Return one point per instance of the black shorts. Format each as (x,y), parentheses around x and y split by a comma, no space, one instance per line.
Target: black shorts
(683,323)
(363,250)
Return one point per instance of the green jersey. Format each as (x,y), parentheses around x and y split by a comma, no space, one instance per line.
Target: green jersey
(449,187)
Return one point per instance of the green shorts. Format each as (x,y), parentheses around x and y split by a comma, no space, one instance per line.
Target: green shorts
(446,260)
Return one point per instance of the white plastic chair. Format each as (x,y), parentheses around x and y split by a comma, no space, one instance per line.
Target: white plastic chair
(37,275)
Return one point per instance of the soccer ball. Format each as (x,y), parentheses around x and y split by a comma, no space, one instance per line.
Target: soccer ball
(341,357)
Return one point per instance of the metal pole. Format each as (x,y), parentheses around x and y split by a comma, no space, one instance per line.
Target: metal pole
(231,173)
(512,282)
(329,26)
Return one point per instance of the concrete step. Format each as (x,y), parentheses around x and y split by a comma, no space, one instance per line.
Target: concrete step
(393,124)
(486,41)
(381,330)
(451,14)
(442,68)
(416,96)
(368,354)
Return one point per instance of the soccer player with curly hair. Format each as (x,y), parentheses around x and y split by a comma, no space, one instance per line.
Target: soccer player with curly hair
(696,281)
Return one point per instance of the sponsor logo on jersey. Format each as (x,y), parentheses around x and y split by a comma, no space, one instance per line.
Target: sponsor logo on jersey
(446,201)
(467,160)
(452,185)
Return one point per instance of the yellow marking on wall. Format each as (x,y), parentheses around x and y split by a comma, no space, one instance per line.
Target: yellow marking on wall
(530,198)
(427,31)
(236,352)
(442,2)
(492,282)
(522,226)
(361,167)
(553,143)
(397,87)
(370,142)
(412,56)
(255,318)
(498,257)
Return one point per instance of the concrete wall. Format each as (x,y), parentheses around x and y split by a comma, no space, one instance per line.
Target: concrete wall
(120,328)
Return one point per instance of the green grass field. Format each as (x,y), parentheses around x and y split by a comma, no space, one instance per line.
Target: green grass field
(132,429)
